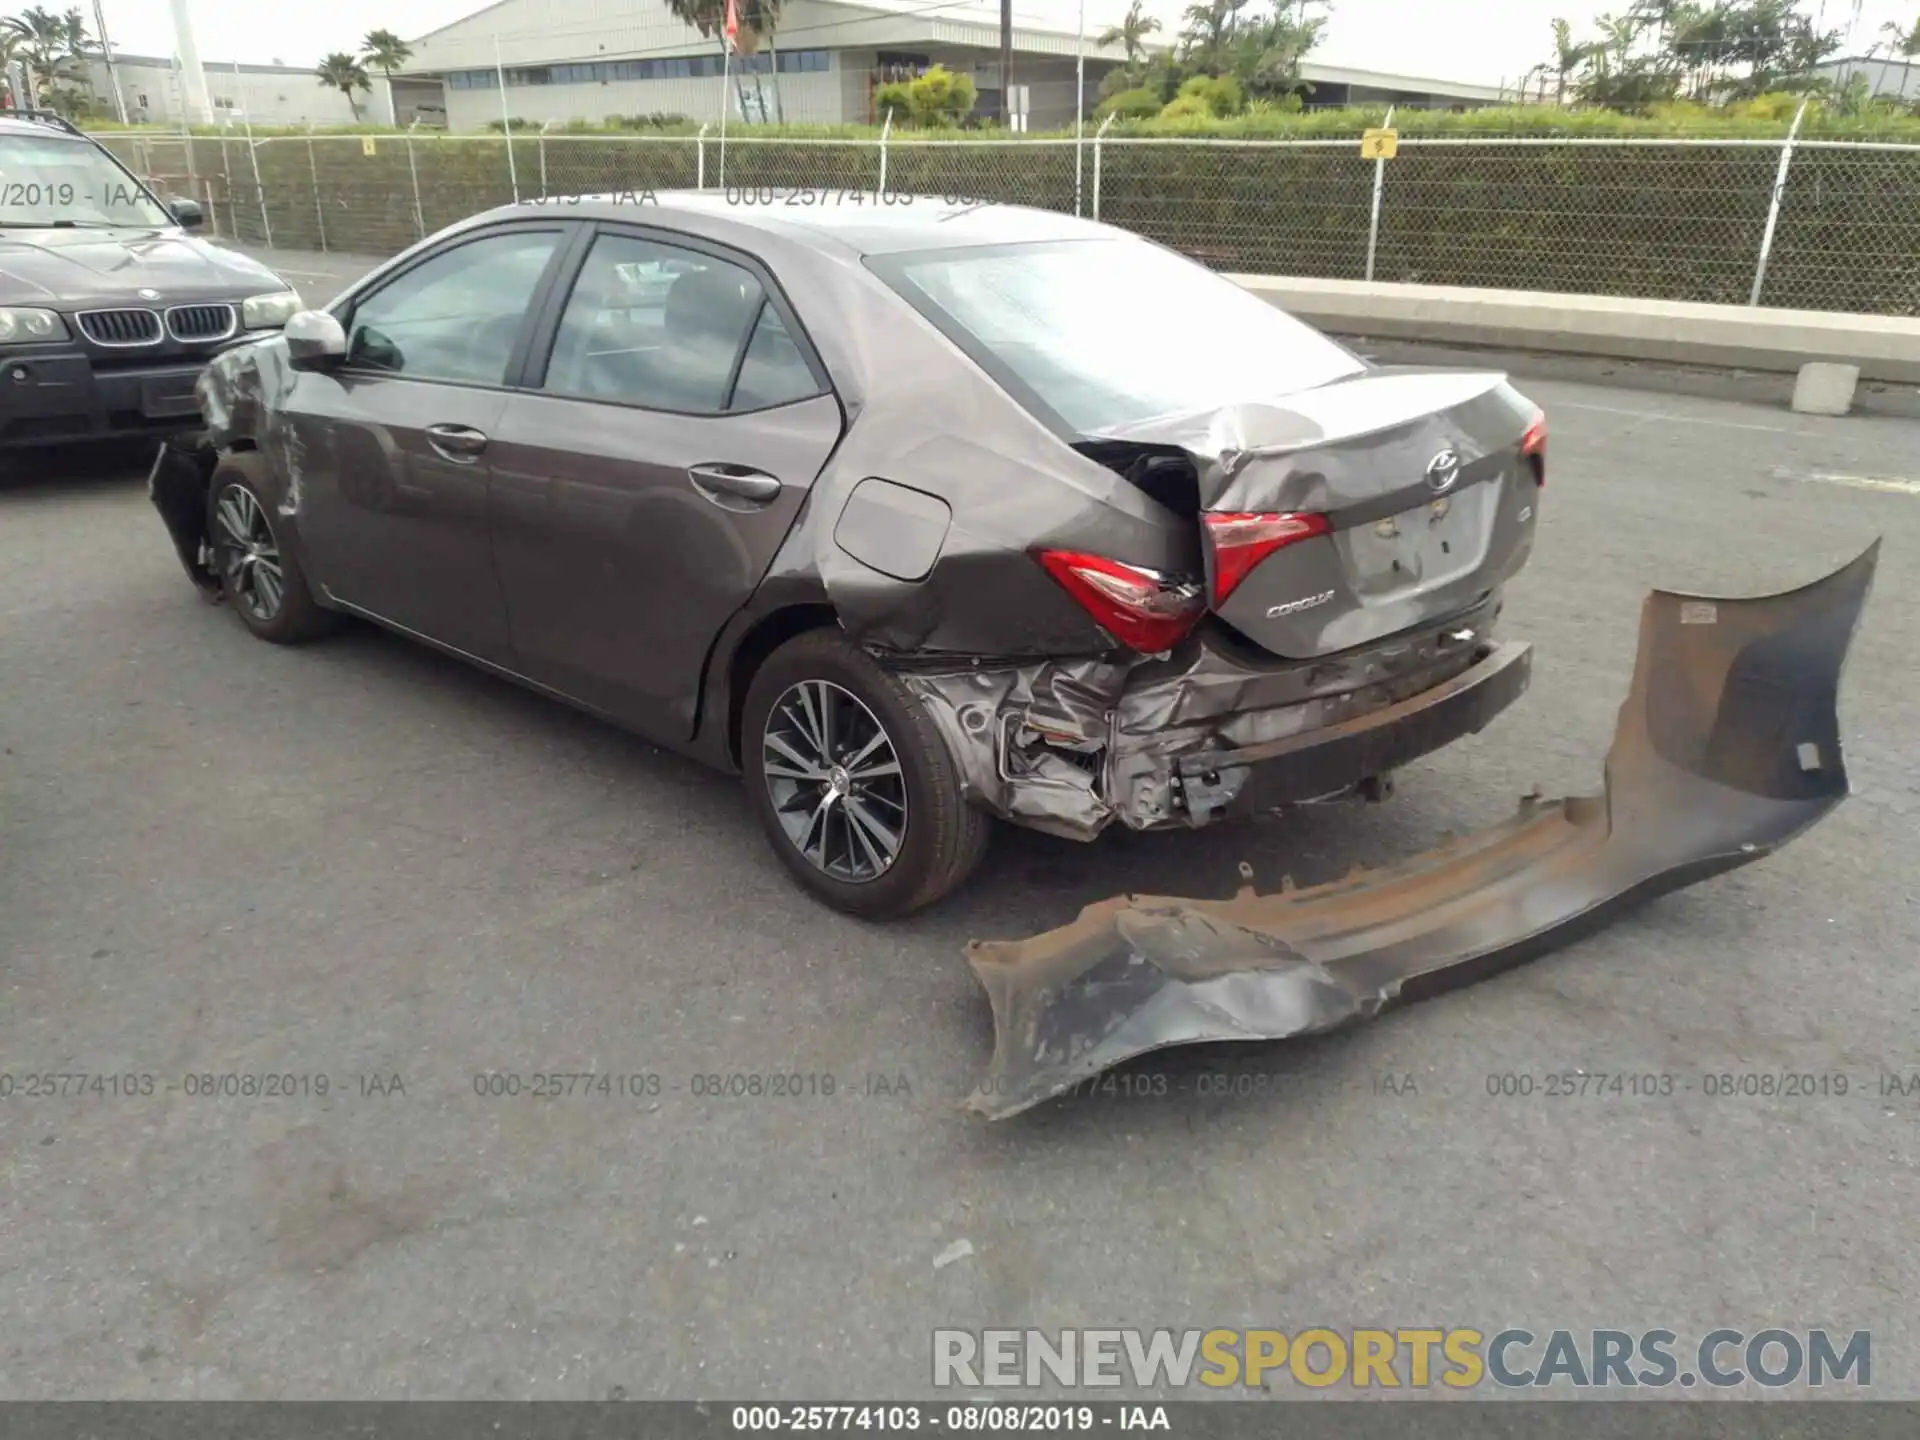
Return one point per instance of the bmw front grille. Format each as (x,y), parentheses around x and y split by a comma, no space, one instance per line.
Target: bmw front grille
(201,322)
(119,329)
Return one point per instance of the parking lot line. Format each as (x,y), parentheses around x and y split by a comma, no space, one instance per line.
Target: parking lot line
(1681,419)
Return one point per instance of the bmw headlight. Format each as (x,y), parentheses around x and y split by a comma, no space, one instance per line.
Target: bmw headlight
(20,325)
(270,312)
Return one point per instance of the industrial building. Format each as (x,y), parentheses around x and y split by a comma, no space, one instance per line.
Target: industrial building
(593,60)
(587,60)
(156,94)
(1886,75)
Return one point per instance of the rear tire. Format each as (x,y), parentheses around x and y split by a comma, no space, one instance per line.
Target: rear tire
(895,834)
(260,578)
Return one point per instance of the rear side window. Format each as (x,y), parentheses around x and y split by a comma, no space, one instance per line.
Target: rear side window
(774,371)
(457,316)
(1101,334)
(652,325)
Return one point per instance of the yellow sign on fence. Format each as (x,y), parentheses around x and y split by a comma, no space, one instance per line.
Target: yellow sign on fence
(1379,144)
(366,144)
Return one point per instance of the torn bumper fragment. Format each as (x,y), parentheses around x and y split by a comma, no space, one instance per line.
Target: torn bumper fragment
(1728,746)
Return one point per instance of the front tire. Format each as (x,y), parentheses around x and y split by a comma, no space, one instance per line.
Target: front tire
(857,792)
(260,578)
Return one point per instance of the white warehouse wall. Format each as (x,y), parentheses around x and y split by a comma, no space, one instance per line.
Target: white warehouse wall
(265,94)
(813,98)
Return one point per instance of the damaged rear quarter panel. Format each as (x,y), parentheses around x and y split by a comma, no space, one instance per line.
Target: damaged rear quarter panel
(923,416)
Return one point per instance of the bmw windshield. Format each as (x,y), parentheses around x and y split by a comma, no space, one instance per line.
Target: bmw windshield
(1100,334)
(57,180)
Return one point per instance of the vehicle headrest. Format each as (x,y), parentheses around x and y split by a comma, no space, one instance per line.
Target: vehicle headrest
(710,305)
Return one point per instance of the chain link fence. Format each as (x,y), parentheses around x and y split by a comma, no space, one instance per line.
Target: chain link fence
(1678,219)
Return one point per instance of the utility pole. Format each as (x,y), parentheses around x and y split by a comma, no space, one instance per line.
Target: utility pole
(199,107)
(1006,62)
(106,54)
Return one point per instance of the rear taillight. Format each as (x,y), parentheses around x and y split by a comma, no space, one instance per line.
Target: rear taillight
(1240,540)
(1533,446)
(1143,611)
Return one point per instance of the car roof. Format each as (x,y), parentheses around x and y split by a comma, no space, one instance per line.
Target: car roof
(846,219)
(13,125)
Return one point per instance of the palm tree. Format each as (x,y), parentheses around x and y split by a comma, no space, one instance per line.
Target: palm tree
(10,52)
(43,44)
(1902,40)
(1207,24)
(343,72)
(1131,32)
(74,27)
(1566,58)
(386,52)
(758,19)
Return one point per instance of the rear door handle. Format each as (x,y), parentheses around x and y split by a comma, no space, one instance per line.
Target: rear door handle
(461,444)
(721,483)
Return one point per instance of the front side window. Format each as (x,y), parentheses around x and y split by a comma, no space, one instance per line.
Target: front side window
(1109,333)
(457,316)
(56,180)
(656,326)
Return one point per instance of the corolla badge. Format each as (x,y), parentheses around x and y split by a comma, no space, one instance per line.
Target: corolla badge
(1442,471)
(1294,607)
(148,294)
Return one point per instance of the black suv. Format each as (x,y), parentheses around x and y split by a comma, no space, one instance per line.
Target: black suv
(109,310)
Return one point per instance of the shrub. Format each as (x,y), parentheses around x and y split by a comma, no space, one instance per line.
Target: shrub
(1187,107)
(1135,104)
(938,98)
(657,120)
(894,101)
(1219,94)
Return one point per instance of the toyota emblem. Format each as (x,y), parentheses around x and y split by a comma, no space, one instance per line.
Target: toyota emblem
(1442,470)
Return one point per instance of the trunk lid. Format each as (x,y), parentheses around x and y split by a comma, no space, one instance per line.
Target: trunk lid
(1416,497)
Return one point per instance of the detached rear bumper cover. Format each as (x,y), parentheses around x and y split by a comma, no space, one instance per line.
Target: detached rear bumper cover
(1727,747)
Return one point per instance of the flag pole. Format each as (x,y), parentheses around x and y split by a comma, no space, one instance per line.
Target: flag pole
(731,28)
(726,79)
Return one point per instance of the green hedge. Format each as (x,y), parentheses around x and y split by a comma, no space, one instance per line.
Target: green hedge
(1760,121)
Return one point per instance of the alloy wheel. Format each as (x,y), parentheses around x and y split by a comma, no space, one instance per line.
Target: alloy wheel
(835,781)
(249,555)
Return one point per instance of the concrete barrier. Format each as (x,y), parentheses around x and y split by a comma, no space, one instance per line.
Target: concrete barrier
(1880,348)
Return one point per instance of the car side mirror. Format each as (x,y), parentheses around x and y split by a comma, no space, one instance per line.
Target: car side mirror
(315,340)
(186,212)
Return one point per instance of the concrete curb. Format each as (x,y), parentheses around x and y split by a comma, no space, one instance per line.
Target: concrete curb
(1884,348)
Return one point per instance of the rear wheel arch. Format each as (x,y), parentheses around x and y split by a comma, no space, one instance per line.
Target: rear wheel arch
(921,835)
(766,635)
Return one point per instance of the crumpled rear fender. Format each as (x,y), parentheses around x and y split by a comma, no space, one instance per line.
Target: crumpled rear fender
(1726,748)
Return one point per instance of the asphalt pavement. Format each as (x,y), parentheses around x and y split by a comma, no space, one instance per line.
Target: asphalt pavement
(361,866)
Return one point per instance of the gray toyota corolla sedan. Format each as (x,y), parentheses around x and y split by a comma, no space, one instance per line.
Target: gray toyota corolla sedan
(917,514)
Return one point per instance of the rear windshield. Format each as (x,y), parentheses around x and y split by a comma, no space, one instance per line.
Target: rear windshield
(1105,333)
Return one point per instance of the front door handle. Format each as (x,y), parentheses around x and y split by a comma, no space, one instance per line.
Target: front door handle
(721,483)
(461,444)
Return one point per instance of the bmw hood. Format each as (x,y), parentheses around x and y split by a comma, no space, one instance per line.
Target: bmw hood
(72,267)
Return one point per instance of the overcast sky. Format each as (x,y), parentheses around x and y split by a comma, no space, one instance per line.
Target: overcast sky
(1476,40)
